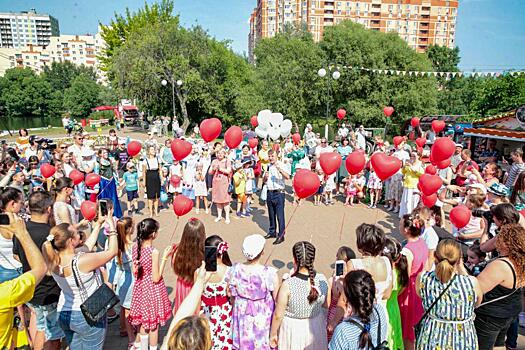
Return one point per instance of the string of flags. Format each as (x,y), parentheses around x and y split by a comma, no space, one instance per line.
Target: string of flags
(447,75)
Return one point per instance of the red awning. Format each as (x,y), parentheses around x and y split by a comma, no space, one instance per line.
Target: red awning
(104,108)
(127,108)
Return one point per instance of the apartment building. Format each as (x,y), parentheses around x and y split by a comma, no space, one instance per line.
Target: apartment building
(27,28)
(419,22)
(78,49)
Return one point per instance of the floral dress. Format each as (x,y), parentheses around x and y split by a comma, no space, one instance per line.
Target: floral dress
(450,324)
(216,306)
(253,307)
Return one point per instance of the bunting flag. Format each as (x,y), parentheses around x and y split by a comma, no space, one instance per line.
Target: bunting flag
(447,75)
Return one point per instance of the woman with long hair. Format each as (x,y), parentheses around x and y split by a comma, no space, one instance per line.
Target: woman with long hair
(11,201)
(221,169)
(67,263)
(215,303)
(450,323)
(501,282)
(367,322)
(63,211)
(152,177)
(189,254)
(299,317)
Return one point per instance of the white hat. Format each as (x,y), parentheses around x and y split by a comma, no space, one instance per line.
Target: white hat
(459,145)
(252,246)
(309,126)
(88,152)
(481,187)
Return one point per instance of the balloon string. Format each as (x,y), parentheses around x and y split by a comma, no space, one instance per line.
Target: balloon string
(175,230)
(282,233)
(341,228)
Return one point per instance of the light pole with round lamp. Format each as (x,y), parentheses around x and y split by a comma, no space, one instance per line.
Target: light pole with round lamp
(164,82)
(335,75)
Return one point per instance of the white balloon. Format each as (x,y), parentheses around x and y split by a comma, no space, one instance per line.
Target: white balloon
(286,127)
(261,132)
(274,134)
(276,119)
(263,118)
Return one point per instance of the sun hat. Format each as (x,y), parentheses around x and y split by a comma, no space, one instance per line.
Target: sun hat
(252,246)
(459,145)
(481,187)
(499,190)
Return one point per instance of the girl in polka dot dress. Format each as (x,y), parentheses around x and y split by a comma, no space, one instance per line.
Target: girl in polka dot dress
(150,305)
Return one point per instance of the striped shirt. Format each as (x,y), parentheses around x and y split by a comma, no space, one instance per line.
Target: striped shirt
(346,335)
(513,173)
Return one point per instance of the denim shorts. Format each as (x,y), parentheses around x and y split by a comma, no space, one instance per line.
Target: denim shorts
(79,334)
(47,320)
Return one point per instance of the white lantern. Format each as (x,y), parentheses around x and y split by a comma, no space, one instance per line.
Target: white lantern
(321,72)
(336,75)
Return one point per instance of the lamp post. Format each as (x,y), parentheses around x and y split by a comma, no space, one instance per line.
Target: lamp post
(331,73)
(164,82)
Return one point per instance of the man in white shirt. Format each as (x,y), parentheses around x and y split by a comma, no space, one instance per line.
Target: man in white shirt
(323,147)
(275,181)
(77,149)
(309,140)
(343,131)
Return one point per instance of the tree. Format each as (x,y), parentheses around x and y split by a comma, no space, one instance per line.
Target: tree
(496,95)
(61,74)
(81,96)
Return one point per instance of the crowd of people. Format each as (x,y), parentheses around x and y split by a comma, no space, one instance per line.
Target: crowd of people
(429,290)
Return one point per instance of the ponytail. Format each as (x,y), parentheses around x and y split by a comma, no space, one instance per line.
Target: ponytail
(448,253)
(123,226)
(59,184)
(56,242)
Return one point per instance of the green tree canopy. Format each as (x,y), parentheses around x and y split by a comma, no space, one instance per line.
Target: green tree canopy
(81,96)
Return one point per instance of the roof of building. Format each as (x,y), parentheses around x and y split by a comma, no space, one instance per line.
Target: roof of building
(501,134)
(493,118)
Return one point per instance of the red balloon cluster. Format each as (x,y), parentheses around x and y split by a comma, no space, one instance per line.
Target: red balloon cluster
(414,122)
(175,180)
(296,138)
(182,205)
(438,126)
(92,180)
(430,184)
(134,148)
(305,183)
(388,111)
(88,210)
(431,170)
(429,201)
(233,137)
(210,129)
(76,176)
(253,121)
(47,170)
(180,149)
(253,142)
(421,142)
(330,162)
(460,216)
(341,114)
(385,166)
(355,162)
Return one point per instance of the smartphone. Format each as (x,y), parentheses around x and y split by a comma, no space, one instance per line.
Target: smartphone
(210,258)
(4,219)
(339,267)
(103,207)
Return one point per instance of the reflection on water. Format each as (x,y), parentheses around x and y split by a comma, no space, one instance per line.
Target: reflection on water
(28,123)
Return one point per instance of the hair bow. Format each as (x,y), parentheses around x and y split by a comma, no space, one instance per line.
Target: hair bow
(192,219)
(366,326)
(223,247)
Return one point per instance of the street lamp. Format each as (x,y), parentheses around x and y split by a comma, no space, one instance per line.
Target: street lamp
(164,82)
(335,75)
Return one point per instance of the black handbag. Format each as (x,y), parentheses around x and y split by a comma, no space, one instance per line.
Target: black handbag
(380,345)
(419,326)
(95,306)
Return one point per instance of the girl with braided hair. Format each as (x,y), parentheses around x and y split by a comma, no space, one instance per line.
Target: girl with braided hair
(367,323)
(299,320)
(411,226)
(150,305)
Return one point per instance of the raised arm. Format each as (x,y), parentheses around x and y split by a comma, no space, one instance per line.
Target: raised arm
(91,261)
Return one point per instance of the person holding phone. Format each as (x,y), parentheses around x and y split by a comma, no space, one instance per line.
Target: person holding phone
(215,303)
(11,202)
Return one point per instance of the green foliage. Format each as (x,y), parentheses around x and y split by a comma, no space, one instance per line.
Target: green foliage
(61,74)
(81,96)
(102,115)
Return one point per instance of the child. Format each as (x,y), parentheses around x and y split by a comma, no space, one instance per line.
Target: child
(130,180)
(318,196)
(329,188)
(150,305)
(350,190)
(360,184)
(250,184)
(336,284)
(476,226)
(164,186)
(475,259)
(176,169)
(392,251)
(429,235)
(201,191)
(239,181)
(375,185)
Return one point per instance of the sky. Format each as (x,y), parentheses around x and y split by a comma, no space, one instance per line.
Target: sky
(490,33)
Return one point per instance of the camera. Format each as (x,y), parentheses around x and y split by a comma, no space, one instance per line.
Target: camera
(487,214)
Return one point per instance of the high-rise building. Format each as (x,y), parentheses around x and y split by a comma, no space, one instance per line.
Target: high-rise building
(27,27)
(419,22)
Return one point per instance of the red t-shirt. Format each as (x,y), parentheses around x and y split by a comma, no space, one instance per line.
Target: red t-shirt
(460,180)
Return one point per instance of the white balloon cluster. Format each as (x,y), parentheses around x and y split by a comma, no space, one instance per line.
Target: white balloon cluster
(272,125)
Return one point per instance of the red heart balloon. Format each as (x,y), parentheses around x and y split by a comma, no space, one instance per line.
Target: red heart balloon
(305,183)
(254,121)
(431,170)
(88,210)
(210,129)
(388,111)
(421,142)
(134,148)
(76,176)
(180,149)
(92,179)
(411,136)
(276,147)
(182,205)
(385,166)
(47,170)
(442,149)
(443,164)
(330,162)
(460,216)
(438,126)
(296,138)
(414,122)
(429,201)
(430,184)
(398,140)
(175,180)
(253,142)
(341,114)
(233,137)
(355,162)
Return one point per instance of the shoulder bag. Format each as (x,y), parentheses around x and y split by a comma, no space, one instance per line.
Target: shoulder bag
(380,345)
(95,306)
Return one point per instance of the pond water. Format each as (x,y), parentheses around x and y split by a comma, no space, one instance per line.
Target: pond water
(28,123)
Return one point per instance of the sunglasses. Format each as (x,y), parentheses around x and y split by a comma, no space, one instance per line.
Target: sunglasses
(63,147)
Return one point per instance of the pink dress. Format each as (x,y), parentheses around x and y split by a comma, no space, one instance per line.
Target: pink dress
(220,183)
(410,304)
(150,305)
(182,289)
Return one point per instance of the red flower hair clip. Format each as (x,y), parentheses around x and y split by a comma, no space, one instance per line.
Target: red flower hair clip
(223,247)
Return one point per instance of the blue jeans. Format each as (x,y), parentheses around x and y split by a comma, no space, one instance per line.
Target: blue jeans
(79,334)
(275,204)
(47,320)
(512,334)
